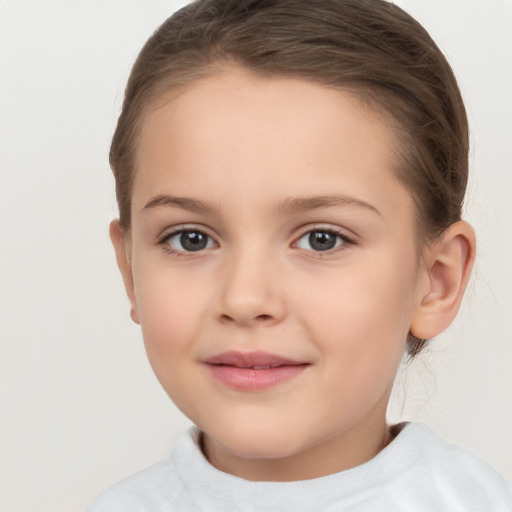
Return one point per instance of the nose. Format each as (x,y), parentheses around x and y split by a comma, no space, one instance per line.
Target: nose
(250,293)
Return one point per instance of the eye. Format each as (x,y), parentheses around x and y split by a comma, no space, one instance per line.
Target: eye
(188,240)
(321,240)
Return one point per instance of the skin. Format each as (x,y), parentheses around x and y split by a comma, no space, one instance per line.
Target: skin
(245,145)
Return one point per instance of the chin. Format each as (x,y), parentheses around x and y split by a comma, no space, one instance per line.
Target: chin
(257,443)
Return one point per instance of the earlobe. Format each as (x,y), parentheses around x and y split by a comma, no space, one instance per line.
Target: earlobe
(121,245)
(448,267)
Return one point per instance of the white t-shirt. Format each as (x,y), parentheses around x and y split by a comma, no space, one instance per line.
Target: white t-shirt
(416,472)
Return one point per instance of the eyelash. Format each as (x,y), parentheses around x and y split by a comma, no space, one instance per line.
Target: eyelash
(345,240)
(164,240)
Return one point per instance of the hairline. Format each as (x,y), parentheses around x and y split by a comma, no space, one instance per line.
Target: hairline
(366,95)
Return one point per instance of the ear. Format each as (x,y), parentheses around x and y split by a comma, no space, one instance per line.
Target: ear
(448,263)
(122,247)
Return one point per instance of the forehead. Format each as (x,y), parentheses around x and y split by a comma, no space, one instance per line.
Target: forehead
(240,133)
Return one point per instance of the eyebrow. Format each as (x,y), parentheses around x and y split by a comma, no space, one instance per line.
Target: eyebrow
(301,204)
(290,206)
(185,203)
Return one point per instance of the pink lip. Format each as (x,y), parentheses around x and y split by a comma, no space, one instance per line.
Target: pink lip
(253,371)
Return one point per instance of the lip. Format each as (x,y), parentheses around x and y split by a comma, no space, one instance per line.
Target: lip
(253,371)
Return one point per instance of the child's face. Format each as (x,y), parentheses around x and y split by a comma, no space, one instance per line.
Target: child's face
(299,244)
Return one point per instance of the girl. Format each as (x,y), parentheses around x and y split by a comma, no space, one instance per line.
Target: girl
(290,178)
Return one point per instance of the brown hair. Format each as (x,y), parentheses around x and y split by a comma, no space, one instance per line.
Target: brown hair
(371,48)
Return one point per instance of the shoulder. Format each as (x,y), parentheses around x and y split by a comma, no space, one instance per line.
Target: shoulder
(157,488)
(150,489)
(449,474)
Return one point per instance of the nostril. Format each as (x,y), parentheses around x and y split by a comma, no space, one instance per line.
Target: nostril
(263,317)
(258,318)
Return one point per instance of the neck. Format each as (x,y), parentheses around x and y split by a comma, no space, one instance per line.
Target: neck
(340,452)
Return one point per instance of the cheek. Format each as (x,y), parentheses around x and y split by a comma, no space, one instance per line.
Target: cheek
(171,316)
(170,310)
(361,331)
(366,311)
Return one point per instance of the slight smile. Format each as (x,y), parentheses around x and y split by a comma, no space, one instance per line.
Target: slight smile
(253,371)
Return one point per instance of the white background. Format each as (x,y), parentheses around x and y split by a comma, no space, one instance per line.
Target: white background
(80,408)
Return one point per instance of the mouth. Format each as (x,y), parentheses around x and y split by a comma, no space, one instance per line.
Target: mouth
(253,371)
